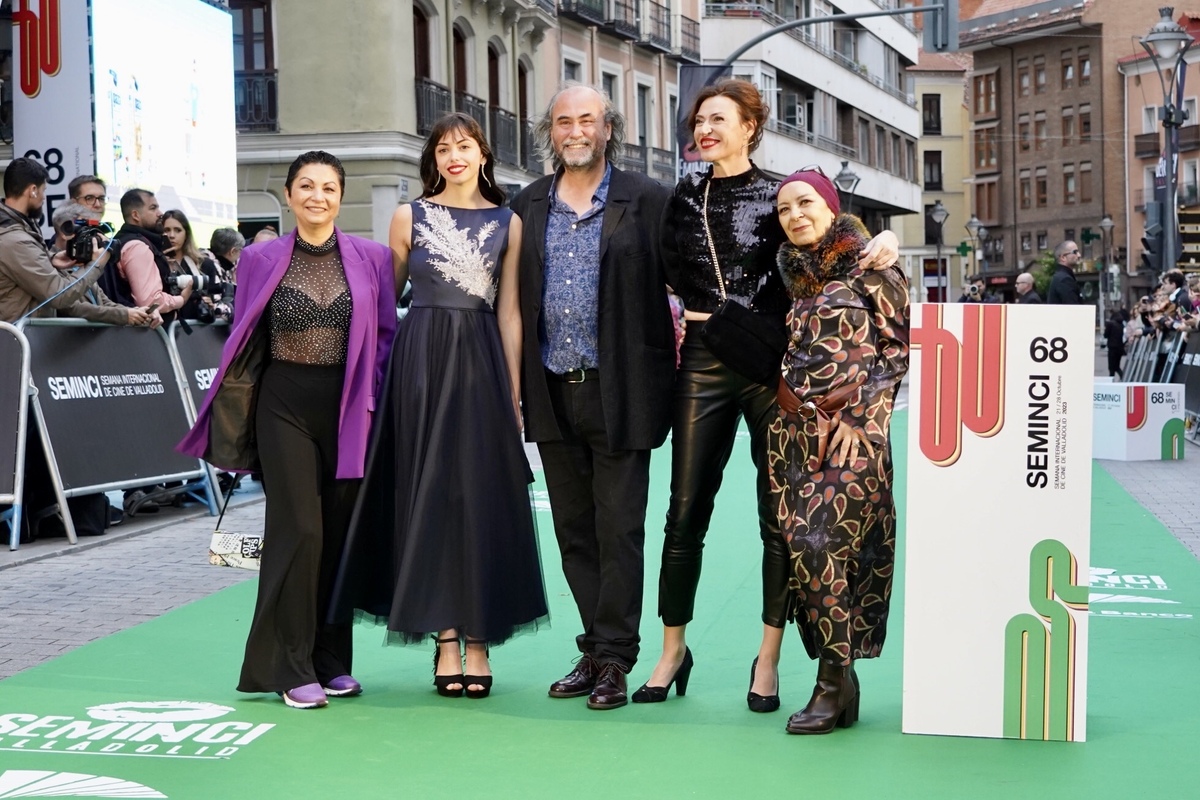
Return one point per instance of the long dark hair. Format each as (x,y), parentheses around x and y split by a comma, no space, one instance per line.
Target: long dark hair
(431,179)
(189,248)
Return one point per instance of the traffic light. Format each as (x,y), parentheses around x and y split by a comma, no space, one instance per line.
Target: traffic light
(941,26)
(1152,238)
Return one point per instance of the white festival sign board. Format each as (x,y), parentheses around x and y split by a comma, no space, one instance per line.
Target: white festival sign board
(52,93)
(998,521)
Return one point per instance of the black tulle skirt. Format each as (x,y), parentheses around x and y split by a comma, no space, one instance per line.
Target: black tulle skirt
(443,535)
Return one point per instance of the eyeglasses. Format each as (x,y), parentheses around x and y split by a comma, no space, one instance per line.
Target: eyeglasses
(94,198)
(1071,253)
(813,168)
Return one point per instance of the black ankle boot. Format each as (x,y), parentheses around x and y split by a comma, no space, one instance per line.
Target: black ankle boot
(834,702)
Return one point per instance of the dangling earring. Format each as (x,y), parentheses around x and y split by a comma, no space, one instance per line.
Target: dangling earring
(483,175)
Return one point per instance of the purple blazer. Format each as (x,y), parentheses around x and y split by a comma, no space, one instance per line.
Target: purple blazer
(372,285)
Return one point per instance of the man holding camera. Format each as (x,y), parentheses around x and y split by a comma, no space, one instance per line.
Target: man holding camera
(973,292)
(30,278)
(138,277)
(96,307)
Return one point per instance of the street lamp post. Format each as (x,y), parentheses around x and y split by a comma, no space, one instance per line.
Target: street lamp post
(973,225)
(1106,228)
(982,233)
(1168,43)
(847,180)
(939,215)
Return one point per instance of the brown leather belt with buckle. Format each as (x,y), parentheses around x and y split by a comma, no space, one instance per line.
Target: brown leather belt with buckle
(576,375)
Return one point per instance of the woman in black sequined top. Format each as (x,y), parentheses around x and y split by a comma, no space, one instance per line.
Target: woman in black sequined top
(728,122)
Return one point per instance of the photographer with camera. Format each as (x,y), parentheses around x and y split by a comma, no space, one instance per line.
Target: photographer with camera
(973,292)
(138,277)
(190,266)
(72,225)
(30,278)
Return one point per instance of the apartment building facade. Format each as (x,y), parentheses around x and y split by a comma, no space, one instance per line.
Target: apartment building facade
(838,93)
(1144,144)
(939,82)
(1047,114)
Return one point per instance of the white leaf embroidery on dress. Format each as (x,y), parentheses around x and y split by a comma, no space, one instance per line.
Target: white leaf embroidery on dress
(462,259)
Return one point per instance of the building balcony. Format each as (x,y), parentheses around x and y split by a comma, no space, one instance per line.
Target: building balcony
(472,106)
(816,140)
(623,18)
(771,19)
(549,6)
(256,100)
(530,159)
(1147,145)
(504,136)
(662,166)
(657,32)
(1189,138)
(633,158)
(689,40)
(433,103)
(589,12)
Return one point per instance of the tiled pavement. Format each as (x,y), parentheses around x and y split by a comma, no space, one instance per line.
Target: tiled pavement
(56,597)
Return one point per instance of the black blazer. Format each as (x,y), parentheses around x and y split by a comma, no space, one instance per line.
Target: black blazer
(636,332)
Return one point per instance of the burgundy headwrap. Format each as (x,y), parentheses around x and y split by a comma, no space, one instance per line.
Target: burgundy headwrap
(821,184)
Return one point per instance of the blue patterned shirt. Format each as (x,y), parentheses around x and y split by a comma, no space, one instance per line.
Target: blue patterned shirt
(570,294)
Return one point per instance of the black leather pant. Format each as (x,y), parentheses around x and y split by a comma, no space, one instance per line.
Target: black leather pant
(709,399)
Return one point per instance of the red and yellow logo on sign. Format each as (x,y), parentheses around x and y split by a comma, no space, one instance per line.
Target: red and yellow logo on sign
(961,384)
(40,36)
(1137,410)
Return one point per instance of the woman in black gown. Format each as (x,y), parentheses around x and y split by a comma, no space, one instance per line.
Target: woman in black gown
(443,542)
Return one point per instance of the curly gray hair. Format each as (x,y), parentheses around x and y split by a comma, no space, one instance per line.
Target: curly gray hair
(612,117)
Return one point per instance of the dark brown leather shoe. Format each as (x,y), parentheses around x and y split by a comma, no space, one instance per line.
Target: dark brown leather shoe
(610,691)
(579,682)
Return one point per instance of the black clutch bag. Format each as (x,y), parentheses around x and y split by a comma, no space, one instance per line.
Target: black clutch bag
(750,344)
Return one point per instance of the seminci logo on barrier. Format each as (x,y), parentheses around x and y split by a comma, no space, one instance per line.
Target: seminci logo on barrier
(972,371)
(41,43)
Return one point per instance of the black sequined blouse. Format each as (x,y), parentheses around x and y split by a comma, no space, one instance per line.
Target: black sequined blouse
(747,235)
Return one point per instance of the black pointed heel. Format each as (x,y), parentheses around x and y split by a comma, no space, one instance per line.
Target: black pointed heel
(442,682)
(760,704)
(658,694)
(478,680)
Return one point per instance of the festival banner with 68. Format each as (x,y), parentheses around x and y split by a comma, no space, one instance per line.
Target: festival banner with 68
(998,521)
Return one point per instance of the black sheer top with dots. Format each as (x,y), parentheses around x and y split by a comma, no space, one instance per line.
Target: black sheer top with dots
(309,313)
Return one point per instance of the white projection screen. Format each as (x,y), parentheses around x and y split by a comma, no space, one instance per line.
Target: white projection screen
(164,107)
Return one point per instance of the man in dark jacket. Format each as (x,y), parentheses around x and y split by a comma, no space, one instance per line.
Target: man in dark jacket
(1064,289)
(598,365)
(1026,294)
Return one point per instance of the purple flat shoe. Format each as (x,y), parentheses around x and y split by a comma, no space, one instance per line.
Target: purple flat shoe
(343,686)
(310,695)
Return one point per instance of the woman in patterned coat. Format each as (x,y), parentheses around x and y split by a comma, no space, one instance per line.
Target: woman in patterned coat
(829,455)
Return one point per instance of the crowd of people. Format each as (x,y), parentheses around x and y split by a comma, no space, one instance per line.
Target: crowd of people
(395,478)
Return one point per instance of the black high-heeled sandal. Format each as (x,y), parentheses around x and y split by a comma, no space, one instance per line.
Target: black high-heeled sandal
(658,694)
(478,680)
(758,703)
(442,682)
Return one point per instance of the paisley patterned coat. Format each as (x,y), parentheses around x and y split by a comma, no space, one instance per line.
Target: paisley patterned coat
(847,354)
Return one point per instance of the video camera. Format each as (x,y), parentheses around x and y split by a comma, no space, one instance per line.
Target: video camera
(83,233)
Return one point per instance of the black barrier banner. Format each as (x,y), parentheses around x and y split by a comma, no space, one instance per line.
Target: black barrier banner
(111,403)
(12,387)
(1187,372)
(200,355)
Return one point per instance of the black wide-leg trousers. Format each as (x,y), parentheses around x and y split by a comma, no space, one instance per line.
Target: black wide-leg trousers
(307,514)
(709,400)
(598,501)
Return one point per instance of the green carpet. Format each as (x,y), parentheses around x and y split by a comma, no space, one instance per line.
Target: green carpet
(401,740)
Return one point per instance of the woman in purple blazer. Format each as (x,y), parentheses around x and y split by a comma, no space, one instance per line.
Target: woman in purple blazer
(316,312)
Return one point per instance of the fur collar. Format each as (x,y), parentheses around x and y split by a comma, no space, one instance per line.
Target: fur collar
(805,272)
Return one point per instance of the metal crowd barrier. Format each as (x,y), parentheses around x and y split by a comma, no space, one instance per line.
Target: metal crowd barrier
(110,405)
(14,409)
